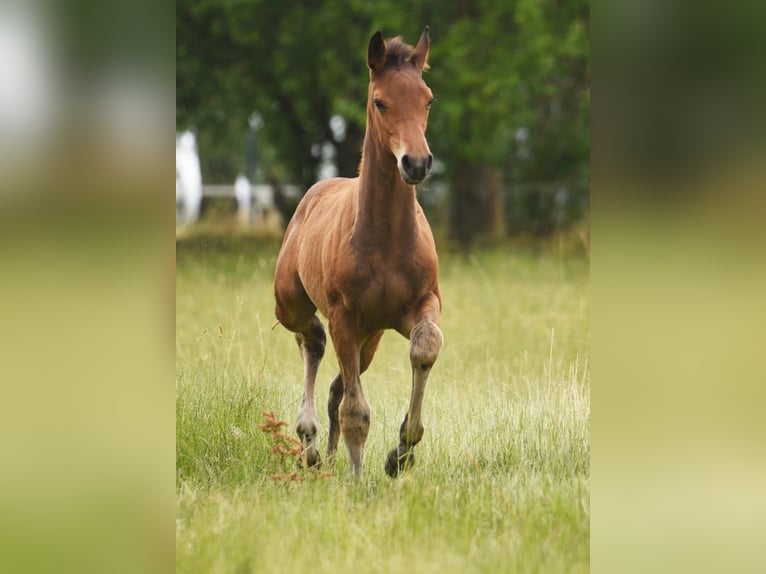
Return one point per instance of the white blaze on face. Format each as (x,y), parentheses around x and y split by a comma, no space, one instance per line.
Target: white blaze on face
(415,158)
(399,154)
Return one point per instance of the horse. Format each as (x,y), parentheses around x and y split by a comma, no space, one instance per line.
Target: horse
(361,251)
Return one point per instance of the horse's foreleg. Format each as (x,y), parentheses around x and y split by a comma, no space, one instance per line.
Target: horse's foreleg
(311,342)
(336,391)
(426,341)
(353,411)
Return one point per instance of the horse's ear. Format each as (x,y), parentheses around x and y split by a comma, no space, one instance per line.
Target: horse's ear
(419,57)
(376,52)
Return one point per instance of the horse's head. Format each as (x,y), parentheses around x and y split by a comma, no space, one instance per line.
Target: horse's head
(398,102)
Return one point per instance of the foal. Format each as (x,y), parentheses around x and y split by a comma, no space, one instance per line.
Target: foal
(361,251)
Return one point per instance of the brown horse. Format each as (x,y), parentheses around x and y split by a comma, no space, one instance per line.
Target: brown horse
(361,251)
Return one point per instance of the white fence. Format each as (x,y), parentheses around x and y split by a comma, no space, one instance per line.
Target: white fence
(254,202)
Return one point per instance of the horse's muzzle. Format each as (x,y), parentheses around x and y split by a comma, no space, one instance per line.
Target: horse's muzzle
(415,169)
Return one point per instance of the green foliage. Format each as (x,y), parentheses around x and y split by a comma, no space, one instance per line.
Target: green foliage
(285,61)
(497,67)
(502,477)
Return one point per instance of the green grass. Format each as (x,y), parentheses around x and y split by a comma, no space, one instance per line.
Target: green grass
(502,477)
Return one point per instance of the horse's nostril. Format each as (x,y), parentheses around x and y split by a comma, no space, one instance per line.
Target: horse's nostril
(415,169)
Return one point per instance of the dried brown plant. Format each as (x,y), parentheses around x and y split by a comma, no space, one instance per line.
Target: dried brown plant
(288,450)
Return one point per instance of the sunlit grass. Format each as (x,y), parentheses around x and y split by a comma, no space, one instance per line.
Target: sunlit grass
(501,481)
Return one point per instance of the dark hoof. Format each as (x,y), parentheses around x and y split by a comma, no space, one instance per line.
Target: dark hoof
(310,459)
(396,462)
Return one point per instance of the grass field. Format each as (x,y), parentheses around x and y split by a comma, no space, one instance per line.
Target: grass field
(502,477)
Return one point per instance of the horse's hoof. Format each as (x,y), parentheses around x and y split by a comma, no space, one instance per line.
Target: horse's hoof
(310,459)
(396,462)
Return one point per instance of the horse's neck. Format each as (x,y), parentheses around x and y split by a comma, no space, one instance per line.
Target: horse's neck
(386,214)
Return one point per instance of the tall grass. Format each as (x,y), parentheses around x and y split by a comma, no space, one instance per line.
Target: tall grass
(501,481)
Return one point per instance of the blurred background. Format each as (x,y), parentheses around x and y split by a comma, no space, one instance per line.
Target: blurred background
(87,281)
(271,97)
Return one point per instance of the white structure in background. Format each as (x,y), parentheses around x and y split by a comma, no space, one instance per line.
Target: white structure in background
(326,151)
(188,178)
(31,96)
(243,192)
(253,201)
(263,201)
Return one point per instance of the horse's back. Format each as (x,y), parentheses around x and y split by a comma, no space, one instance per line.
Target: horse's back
(322,203)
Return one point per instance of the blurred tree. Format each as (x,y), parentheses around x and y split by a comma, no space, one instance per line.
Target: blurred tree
(504,70)
(550,166)
(294,64)
(510,80)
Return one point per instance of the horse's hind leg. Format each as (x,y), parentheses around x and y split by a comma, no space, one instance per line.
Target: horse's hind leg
(312,344)
(426,341)
(296,312)
(336,391)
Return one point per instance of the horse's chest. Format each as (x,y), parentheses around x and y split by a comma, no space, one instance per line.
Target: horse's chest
(381,295)
(385,293)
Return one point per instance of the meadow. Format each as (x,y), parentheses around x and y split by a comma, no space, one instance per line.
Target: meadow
(501,481)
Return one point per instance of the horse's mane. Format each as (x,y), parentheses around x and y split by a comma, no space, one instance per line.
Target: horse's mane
(398,52)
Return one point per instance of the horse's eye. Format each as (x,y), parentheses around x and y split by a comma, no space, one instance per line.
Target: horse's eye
(378,104)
